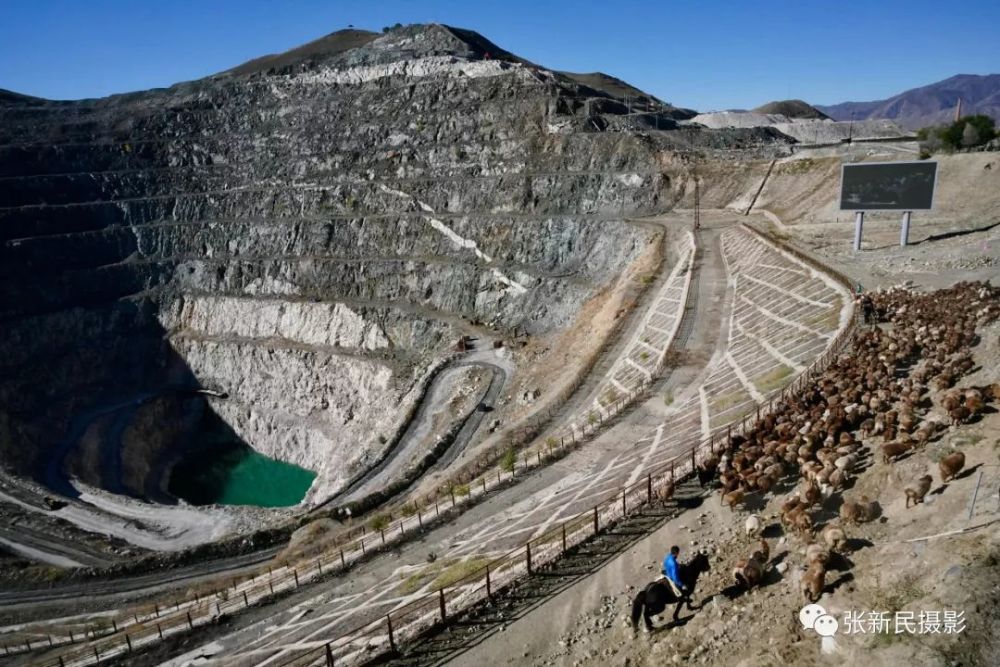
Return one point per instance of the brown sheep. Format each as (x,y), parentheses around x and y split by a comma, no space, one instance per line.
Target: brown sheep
(792,503)
(762,554)
(748,573)
(813,581)
(959,415)
(665,492)
(916,491)
(893,450)
(810,494)
(923,435)
(850,512)
(801,520)
(951,465)
(817,553)
(733,498)
(835,538)
(974,404)
(869,509)
(951,401)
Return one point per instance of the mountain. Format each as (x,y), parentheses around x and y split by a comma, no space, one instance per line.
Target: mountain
(309,232)
(928,105)
(792,109)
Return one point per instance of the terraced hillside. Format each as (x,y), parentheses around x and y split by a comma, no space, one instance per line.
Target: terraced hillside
(308,234)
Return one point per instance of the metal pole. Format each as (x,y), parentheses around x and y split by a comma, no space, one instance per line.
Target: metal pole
(859,222)
(904,232)
(975,494)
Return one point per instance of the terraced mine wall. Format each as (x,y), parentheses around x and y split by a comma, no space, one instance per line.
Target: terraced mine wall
(305,241)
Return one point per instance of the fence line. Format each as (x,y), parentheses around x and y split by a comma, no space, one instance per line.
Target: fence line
(376,637)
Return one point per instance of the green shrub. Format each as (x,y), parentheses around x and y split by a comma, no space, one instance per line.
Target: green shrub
(379,522)
(509,460)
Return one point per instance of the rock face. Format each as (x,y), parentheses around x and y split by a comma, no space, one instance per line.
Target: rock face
(803,129)
(308,233)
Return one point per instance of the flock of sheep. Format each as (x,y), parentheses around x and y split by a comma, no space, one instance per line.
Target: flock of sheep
(884,388)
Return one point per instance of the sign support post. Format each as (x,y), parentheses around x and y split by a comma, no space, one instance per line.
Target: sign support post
(859,222)
(904,232)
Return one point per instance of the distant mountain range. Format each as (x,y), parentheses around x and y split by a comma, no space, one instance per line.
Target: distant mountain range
(928,105)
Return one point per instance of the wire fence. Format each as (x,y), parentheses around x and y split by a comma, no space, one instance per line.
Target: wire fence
(372,638)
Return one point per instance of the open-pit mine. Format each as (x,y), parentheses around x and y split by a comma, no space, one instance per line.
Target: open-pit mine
(304,361)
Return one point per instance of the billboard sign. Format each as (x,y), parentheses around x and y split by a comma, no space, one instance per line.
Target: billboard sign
(888,186)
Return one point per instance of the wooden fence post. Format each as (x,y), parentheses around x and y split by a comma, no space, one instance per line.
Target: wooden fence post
(527,556)
(564,537)
(329,657)
(596,526)
(444,615)
(392,640)
(649,488)
(489,588)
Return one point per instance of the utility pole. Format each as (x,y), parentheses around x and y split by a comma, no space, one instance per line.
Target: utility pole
(697,202)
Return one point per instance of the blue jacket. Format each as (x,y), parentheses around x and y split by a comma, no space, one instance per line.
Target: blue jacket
(672,571)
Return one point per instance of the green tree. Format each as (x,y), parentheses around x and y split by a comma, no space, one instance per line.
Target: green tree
(966,132)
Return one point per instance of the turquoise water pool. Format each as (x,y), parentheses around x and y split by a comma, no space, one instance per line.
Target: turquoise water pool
(235,474)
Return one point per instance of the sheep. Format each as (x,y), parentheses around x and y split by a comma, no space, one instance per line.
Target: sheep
(869,509)
(665,492)
(764,484)
(810,494)
(975,405)
(893,450)
(959,415)
(762,554)
(790,504)
(706,470)
(813,581)
(835,537)
(838,478)
(923,434)
(816,553)
(916,490)
(751,526)
(748,573)
(733,498)
(799,519)
(951,465)
(850,512)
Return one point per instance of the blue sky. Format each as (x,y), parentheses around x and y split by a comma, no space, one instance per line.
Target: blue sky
(705,55)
